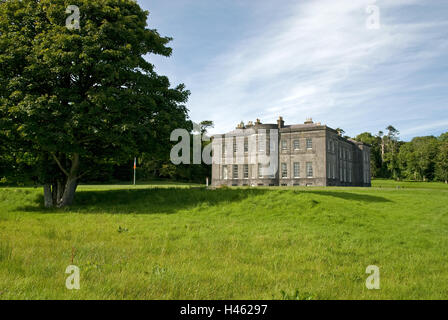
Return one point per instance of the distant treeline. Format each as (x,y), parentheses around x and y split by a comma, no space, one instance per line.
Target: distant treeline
(421,159)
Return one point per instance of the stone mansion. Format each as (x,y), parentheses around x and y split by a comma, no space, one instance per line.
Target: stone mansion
(308,154)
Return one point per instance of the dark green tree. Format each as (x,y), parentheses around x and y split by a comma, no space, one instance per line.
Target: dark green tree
(375,151)
(340,131)
(417,158)
(74,98)
(390,148)
(441,169)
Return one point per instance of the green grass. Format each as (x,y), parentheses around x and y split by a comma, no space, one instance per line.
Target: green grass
(383,183)
(186,242)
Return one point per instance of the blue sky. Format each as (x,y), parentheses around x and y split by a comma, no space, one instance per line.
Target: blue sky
(246,59)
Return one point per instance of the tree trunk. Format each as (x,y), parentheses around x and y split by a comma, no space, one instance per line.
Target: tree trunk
(69,192)
(61,192)
(48,197)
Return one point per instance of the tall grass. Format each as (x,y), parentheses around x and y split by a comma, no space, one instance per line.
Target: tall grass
(187,242)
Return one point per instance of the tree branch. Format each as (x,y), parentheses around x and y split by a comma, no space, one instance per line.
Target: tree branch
(59,164)
(82,174)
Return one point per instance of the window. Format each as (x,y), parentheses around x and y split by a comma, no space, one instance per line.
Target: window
(261,144)
(234,144)
(224,172)
(284,170)
(246,171)
(296,169)
(309,143)
(296,144)
(272,174)
(260,172)
(331,171)
(246,145)
(235,171)
(309,169)
(284,145)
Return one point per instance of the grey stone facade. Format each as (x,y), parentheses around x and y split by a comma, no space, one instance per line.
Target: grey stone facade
(308,154)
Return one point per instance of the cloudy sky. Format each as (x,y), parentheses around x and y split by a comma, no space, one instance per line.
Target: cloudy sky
(247,59)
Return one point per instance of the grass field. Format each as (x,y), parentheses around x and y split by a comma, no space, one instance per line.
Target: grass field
(186,242)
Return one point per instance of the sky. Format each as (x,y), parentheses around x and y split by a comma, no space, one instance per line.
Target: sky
(336,61)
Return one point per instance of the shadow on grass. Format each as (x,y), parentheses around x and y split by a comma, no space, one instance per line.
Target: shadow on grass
(147,201)
(350,196)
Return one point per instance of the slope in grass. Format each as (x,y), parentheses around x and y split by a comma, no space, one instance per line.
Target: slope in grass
(170,242)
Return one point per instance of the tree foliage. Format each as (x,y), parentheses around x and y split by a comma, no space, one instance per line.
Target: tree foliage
(77,99)
(421,159)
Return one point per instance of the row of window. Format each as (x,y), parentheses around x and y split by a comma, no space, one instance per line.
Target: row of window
(296,170)
(261,146)
(296,144)
(345,171)
(343,152)
(283,171)
(273,185)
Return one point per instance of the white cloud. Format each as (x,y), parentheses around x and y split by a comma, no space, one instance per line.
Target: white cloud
(429,125)
(319,61)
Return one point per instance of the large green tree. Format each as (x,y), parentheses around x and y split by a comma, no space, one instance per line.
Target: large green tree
(417,158)
(76,98)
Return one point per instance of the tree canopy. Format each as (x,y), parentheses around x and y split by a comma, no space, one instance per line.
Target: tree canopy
(73,99)
(421,159)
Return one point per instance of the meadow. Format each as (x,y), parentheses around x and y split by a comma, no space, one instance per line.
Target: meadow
(180,241)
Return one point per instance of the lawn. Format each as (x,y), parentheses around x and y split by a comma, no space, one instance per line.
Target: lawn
(186,242)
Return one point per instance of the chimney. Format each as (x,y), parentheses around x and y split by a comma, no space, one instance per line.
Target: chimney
(280,122)
(309,121)
(240,125)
